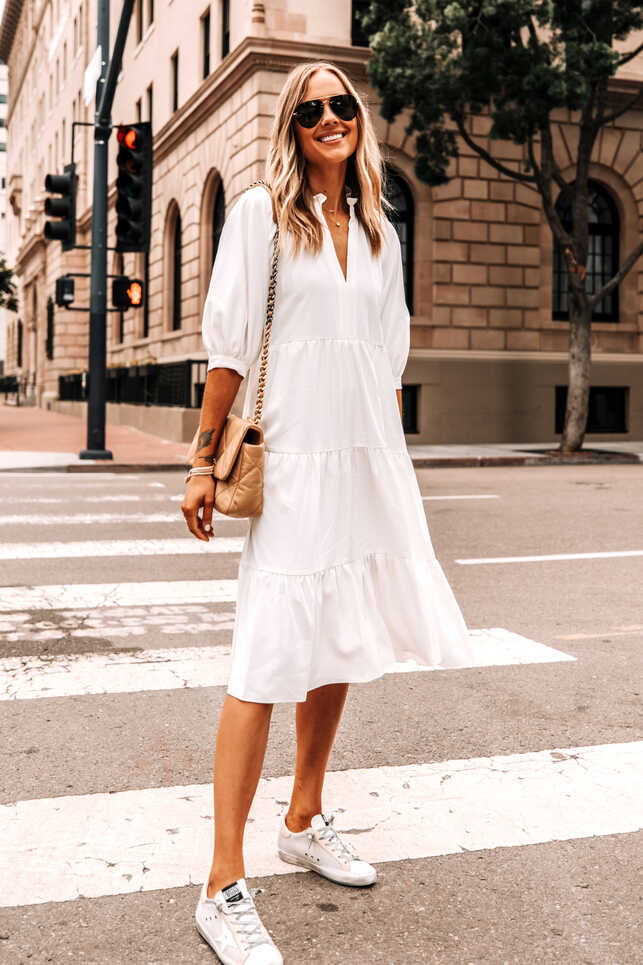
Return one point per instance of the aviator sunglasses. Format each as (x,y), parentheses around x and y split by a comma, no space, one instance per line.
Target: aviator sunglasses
(309,113)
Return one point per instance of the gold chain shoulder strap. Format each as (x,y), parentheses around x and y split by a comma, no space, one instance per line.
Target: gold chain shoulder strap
(269,310)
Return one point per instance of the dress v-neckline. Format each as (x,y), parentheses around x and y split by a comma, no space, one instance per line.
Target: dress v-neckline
(320,198)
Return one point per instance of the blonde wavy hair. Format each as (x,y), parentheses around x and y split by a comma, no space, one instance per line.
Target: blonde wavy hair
(285,168)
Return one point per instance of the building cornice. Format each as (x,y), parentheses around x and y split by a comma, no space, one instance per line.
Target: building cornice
(8,26)
(251,55)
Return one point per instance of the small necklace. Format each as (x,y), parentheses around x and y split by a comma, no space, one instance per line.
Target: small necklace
(333,211)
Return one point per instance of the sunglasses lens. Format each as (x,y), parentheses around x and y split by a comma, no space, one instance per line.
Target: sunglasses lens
(343,106)
(308,114)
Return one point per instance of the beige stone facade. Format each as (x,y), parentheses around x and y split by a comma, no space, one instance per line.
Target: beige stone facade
(486,353)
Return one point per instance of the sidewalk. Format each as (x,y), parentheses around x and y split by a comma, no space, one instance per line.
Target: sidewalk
(35,439)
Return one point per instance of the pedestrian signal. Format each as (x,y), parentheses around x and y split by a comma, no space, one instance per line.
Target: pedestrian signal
(62,208)
(127,292)
(134,186)
(64,291)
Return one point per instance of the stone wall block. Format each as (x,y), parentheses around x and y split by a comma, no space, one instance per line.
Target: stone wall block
(505,317)
(457,338)
(523,341)
(470,230)
(490,296)
(522,214)
(487,211)
(453,208)
(523,255)
(442,229)
(506,233)
(488,254)
(472,315)
(451,251)
(476,188)
(450,295)
(487,339)
(470,274)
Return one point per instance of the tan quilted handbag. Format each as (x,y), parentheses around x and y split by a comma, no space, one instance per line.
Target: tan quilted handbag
(239,455)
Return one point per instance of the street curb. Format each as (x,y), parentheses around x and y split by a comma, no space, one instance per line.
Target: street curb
(419,462)
(569,459)
(103,467)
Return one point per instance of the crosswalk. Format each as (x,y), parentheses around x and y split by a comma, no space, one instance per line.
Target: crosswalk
(70,644)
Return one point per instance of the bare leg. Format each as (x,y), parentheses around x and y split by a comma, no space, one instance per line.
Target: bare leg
(242,736)
(317,720)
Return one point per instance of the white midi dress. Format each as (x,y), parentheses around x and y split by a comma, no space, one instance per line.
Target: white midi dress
(337,579)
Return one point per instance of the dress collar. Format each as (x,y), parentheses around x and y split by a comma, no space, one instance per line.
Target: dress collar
(351,200)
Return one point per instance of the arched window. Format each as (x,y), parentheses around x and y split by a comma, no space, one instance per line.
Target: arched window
(602,254)
(399,195)
(176,273)
(218,218)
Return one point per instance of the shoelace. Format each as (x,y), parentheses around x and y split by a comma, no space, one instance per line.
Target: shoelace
(246,917)
(335,842)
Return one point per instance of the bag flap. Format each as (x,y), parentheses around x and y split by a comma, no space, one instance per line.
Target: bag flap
(235,432)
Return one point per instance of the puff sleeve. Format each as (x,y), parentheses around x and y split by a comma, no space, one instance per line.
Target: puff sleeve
(234,313)
(396,320)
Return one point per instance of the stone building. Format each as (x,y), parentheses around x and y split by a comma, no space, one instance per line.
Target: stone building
(488,358)
(5,316)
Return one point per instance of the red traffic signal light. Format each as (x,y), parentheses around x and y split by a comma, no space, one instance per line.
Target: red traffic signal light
(134,186)
(127,293)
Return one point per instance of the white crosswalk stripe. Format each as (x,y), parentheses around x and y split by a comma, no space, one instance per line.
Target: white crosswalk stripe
(98,673)
(144,840)
(120,547)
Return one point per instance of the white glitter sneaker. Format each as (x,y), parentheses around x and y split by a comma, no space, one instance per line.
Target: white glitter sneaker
(320,848)
(230,924)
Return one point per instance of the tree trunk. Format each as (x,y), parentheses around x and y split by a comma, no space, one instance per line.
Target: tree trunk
(578,378)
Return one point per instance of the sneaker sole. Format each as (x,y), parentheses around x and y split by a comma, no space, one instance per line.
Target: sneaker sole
(336,877)
(225,961)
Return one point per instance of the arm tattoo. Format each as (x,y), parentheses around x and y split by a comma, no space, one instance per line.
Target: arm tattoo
(205,439)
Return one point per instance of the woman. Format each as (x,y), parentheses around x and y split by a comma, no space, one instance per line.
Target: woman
(337,578)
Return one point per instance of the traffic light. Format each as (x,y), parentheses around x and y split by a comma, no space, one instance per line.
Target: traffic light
(127,292)
(64,290)
(134,186)
(63,208)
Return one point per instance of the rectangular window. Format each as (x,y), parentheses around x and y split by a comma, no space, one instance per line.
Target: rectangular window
(139,110)
(410,395)
(607,410)
(358,37)
(175,81)
(225,28)
(205,42)
(150,102)
(139,21)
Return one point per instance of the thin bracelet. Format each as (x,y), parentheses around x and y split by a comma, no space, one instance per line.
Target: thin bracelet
(199,471)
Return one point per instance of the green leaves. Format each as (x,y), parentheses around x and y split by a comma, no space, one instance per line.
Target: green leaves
(518,60)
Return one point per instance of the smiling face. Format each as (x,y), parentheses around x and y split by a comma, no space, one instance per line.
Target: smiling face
(324,83)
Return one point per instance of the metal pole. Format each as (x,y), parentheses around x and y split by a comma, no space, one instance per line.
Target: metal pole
(98,297)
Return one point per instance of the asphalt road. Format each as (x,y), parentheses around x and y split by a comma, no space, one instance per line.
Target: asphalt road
(518,837)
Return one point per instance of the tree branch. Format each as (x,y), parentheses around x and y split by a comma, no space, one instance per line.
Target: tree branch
(630,56)
(612,117)
(619,276)
(517,175)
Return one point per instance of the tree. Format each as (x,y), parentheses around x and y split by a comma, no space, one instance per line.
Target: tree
(8,294)
(519,62)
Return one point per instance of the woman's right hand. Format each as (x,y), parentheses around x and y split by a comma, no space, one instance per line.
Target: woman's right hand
(199,492)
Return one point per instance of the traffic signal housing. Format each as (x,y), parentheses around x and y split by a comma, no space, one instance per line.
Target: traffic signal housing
(134,186)
(63,208)
(64,291)
(127,293)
